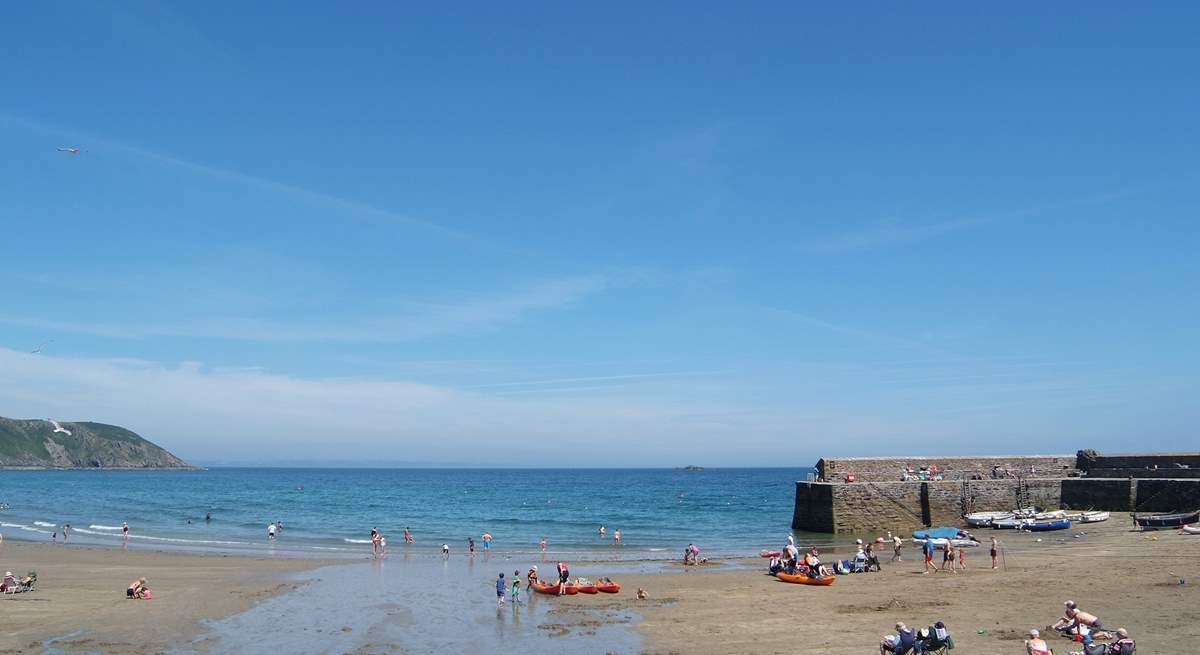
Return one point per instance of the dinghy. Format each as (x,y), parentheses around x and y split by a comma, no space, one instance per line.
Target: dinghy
(1166,520)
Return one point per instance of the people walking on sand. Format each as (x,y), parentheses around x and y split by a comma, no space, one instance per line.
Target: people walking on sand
(995,544)
(948,557)
(542,544)
(897,544)
(516,587)
(927,550)
(125,531)
(408,539)
(962,558)
(500,590)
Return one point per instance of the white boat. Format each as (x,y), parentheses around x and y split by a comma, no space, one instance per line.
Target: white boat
(1191,529)
(984,519)
(1009,524)
(1051,516)
(941,543)
(1093,517)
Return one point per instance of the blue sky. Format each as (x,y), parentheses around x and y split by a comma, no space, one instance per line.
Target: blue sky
(556,234)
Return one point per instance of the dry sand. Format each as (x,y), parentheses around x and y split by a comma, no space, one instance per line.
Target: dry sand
(83,589)
(1127,578)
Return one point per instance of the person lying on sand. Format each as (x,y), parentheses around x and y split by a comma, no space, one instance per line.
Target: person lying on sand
(641,594)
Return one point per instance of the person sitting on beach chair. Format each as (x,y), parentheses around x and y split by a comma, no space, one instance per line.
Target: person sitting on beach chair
(901,643)
(10,584)
(1123,645)
(935,639)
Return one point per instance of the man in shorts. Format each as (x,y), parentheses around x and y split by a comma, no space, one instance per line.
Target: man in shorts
(927,549)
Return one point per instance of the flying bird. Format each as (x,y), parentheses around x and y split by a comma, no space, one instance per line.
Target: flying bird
(38,350)
(59,428)
(73,151)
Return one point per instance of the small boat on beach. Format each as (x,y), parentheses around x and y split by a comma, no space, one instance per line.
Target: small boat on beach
(1010,524)
(984,519)
(609,587)
(800,578)
(543,588)
(1051,516)
(1191,529)
(939,533)
(1093,517)
(1046,526)
(941,543)
(588,588)
(1176,520)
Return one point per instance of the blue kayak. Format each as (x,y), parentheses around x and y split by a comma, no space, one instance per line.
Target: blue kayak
(1045,526)
(936,533)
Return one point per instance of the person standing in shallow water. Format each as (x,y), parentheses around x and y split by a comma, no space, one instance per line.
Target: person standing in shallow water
(471,546)
(617,537)
(408,539)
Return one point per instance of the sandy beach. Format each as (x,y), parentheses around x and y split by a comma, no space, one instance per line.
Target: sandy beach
(1130,579)
(82,590)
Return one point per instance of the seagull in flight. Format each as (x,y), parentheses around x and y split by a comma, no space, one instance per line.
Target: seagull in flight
(73,151)
(38,350)
(59,428)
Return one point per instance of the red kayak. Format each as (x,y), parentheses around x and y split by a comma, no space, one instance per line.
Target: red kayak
(770,553)
(543,588)
(585,589)
(572,589)
(609,587)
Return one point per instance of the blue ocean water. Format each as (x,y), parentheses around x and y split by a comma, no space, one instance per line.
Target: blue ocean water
(330,512)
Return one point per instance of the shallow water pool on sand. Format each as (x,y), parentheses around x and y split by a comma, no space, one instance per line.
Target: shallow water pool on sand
(425,604)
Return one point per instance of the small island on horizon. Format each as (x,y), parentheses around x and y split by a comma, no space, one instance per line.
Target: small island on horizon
(36,443)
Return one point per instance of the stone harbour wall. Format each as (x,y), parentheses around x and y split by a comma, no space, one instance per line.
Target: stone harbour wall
(889,469)
(873,508)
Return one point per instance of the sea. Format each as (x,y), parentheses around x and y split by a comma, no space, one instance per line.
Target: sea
(329,513)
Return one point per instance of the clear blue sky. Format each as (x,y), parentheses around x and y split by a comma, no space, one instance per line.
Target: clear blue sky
(630,234)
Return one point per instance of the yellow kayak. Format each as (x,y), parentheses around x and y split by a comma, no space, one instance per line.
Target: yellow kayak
(798,578)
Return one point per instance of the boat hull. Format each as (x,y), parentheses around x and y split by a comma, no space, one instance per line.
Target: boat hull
(608,588)
(1167,520)
(1047,526)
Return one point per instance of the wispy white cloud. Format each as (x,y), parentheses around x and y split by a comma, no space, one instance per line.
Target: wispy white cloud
(420,321)
(348,207)
(596,378)
(891,232)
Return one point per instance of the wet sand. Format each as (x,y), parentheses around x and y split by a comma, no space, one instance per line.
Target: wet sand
(81,591)
(1127,578)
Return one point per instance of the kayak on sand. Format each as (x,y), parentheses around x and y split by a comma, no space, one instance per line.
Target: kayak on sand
(800,578)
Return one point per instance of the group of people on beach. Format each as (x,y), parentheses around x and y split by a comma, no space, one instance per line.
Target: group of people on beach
(1084,628)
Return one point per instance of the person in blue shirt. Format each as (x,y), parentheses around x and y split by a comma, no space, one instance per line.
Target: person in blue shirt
(928,550)
(500,590)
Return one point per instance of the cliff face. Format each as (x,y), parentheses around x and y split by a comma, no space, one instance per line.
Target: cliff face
(88,445)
